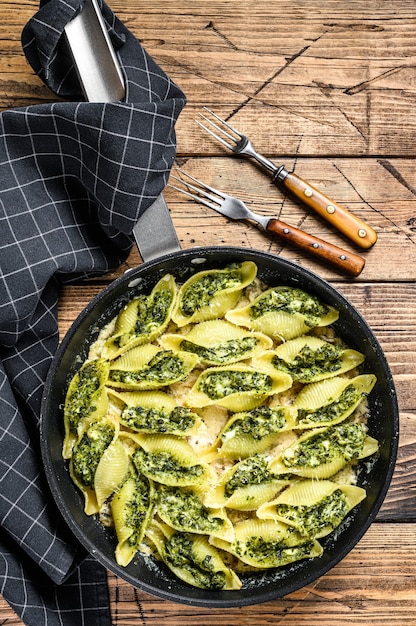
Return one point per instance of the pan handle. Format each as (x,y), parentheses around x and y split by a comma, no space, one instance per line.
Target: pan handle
(154,231)
(102,80)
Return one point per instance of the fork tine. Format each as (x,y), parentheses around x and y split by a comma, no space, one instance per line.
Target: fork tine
(209,131)
(201,192)
(201,184)
(194,196)
(227,124)
(234,140)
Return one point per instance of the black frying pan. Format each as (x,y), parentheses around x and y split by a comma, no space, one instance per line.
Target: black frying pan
(145,573)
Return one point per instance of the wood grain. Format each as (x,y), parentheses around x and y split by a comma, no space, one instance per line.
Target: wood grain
(374,584)
(328,89)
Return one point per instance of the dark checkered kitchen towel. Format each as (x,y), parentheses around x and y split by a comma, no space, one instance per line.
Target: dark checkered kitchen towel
(74,177)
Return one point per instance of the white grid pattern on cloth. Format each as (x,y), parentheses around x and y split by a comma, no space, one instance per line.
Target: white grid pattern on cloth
(74,177)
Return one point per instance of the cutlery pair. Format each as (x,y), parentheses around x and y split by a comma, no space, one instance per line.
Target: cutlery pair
(234,208)
(358,231)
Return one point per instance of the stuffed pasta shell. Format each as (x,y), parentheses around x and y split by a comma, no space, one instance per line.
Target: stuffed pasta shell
(209,294)
(149,367)
(253,432)
(309,359)
(192,558)
(154,412)
(218,342)
(99,462)
(314,507)
(267,543)
(284,313)
(246,485)
(323,452)
(236,387)
(132,508)
(169,460)
(85,399)
(332,400)
(183,508)
(143,319)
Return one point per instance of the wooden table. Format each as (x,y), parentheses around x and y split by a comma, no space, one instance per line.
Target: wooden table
(329,89)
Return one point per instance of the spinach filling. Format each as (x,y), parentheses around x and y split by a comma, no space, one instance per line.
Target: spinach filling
(81,401)
(184,510)
(276,552)
(220,384)
(251,471)
(161,465)
(346,440)
(222,353)
(152,312)
(258,423)
(158,420)
(200,292)
(179,554)
(290,300)
(332,411)
(163,368)
(88,451)
(309,362)
(137,508)
(310,520)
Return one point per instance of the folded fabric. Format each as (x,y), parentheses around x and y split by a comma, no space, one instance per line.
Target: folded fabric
(74,178)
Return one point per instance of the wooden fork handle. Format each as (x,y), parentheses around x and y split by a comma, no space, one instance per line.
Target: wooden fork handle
(358,231)
(345,261)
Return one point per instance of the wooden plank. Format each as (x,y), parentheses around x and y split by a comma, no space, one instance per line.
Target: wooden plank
(323,82)
(374,585)
(381,193)
(317,78)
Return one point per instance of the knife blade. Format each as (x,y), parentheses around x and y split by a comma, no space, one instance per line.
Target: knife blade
(102,80)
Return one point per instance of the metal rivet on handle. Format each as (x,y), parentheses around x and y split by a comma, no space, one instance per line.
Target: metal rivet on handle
(330,208)
(362,232)
(308,192)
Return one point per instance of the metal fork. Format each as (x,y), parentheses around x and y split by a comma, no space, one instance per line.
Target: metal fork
(358,231)
(235,209)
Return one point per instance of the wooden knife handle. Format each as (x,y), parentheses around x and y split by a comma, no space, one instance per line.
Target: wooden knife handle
(358,231)
(345,261)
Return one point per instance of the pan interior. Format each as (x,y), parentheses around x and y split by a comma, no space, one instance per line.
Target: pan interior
(145,572)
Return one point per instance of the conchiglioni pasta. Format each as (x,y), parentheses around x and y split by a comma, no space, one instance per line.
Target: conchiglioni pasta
(332,400)
(208,295)
(148,367)
(219,426)
(236,387)
(192,558)
(308,359)
(314,507)
(86,398)
(154,412)
(253,432)
(143,319)
(132,508)
(246,485)
(217,342)
(267,543)
(323,452)
(183,508)
(284,313)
